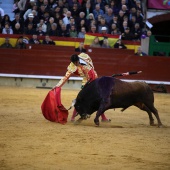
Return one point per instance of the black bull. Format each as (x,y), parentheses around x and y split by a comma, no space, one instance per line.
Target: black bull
(107,92)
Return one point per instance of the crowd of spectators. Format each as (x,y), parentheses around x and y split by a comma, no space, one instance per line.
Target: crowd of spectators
(75,18)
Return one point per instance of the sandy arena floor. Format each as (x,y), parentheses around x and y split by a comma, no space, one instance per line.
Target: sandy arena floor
(29,142)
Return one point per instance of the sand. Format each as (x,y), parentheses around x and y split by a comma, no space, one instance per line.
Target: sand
(29,141)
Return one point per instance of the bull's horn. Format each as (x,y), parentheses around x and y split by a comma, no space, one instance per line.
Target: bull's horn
(73,103)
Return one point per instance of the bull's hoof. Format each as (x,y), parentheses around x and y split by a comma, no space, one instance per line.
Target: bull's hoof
(160,126)
(96,122)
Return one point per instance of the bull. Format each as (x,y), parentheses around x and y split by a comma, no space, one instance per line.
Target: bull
(108,92)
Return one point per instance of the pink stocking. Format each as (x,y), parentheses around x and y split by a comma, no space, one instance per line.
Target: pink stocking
(103,116)
(74,114)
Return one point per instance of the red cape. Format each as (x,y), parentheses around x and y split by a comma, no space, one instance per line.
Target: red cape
(52,108)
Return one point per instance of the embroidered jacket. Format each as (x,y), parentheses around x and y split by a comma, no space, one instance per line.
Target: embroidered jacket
(86,71)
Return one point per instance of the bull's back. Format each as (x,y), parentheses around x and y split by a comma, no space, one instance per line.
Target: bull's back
(129,93)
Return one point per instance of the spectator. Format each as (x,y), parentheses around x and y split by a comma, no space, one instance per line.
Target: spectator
(102,25)
(66,19)
(113,27)
(31,20)
(30,5)
(17,29)
(20,44)
(82,33)
(75,10)
(52,4)
(80,48)
(41,12)
(95,43)
(139,52)
(124,26)
(46,4)
(46,17)
(72,22)
(109,15)
(19,20)
(29,30)
(97,11)
(7,29)
(87,9)
(81,17)
(43,25)
(139,18)
(53,31)
(93,29)
(103,31)
(5,19)
(30,10)
(88,21)
(132,12)
(82,24)
(63,32)
(119,44)
(15,8)
(49,23)
(73,31)
(125,10)
(39,31)
(127,35)
(148,33)
(114,7)
(48,41)
(105,43)
(22,7)
(132,22)
(137,32)
(115,21)
(116,32)
(6,44)
(34,40)
(120,18)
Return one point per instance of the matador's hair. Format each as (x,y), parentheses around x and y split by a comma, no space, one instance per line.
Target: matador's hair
(74,58)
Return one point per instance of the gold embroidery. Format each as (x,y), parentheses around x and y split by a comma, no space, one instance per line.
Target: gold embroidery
(87,59)
(72,68)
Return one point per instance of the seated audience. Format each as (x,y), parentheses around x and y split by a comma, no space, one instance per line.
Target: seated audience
(105,43)
(96,43)
(17,29)
(82,33)
(73,31)
(6,44)
(127,35)
(40,31)
(29,30)
(119,44)
(139,52)
(20,43)
(34,40)
(80,48)
(7,29)
(63,32)
(48,41)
